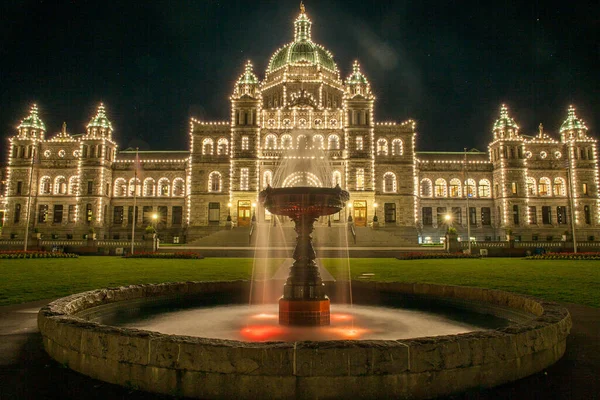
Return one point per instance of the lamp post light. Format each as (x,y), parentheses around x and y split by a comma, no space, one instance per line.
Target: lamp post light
(154,226)
(375,205)
(448,219)
(253,212)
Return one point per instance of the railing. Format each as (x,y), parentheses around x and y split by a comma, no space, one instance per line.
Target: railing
(63,242)
(11,242)
(117,243)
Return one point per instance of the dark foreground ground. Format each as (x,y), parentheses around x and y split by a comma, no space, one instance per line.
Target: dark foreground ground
(26,371)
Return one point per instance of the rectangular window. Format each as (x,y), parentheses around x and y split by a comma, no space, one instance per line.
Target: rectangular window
(427,216)
(546,215)
(89,214)
(516,214)
(360,179)
(473,216)
(457,215)
(90,187)
(441,216)
(162,214)
(130,215)
(118,215)
(214,212)
(561,215)
(514,187)
(17,217)
(486,216)
(57,215)
(19,187)
(359,143)
(533,215)
(72,214)
(584,188)
(390,212)
(588,215)
(43,213)
(177,218)
(147,215)
(245,143)
(244,179)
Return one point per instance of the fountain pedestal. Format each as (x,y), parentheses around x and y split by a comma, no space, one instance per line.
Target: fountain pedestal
(304,301)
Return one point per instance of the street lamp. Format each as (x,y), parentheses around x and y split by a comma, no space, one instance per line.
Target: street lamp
(154,226)
(375,205)
(253,212)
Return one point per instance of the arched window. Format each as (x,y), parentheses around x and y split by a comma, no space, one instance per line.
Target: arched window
(120,187)
(333,142)
(397,147)
(135,186)
(484,188)
(267,178)
(455,188)
(544,187)
(318,142)
(45,185)
(470,188)
(178,187)
(336,179)
(164,187)
(60,185)
(73,185)
(149,187)
(382,147)
(207,146)
(360,179)
(222,147)
(270,142)
(560,189)
(286,142)
(426,188)
(389,182)
(214,182)
(441,190)
(301,142)
(531,189)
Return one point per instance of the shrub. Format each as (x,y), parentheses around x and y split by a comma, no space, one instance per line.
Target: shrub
(20,254)
(431,256)
(179,255)
(565,256)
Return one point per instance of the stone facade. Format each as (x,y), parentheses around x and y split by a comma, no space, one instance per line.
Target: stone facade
(521,188)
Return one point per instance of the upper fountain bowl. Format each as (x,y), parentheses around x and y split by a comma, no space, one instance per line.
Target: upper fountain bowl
(310,201)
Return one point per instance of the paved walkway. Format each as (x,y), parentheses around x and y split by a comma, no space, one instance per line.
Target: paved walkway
(26,371)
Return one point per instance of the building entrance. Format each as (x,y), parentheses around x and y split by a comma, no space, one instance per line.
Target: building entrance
(360,212)
(244,212)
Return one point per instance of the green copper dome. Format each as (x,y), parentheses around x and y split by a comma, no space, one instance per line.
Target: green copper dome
(100,120)
(572,122)
(33,120)
(302,49)
(505,122)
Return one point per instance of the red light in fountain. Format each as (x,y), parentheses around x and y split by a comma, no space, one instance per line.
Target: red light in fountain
(349,332)
(261,333)
(339,317)
(264,316)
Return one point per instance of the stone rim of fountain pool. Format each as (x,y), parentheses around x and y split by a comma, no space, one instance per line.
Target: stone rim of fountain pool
(214,368)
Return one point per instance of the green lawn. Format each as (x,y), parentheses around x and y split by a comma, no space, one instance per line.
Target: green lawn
(568,281)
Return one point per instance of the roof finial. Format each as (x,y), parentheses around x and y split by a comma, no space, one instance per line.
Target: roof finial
(541,129)
(302,8)
(64,128)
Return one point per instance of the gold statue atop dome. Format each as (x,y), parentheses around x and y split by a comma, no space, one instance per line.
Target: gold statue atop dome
(302,9)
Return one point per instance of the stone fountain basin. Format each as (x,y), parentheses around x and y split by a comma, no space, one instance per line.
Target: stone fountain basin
(213,368)
(310,201)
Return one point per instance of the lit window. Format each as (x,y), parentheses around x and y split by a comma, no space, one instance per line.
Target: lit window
(244,179)
(389,182)
(382,147)
(360,179)
(214,182)
(440,188)
(359,143)
(245,143)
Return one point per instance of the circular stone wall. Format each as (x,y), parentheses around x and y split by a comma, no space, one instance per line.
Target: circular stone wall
(212,368)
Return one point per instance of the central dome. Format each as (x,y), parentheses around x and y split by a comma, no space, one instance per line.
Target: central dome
(302,51)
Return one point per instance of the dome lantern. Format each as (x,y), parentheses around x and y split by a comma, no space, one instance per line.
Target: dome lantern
(505,127)
(32,124)
(573,127)
(100,125)
(247,84)
(357,83)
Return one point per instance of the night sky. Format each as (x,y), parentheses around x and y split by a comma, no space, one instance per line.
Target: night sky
(448,65)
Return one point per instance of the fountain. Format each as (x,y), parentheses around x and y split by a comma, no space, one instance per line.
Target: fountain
(304,301)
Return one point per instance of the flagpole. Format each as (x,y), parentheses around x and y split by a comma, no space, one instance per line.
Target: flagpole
(134,217)
(33,152)
(465,176)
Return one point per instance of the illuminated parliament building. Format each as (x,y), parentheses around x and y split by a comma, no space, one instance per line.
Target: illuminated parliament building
(532,187)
